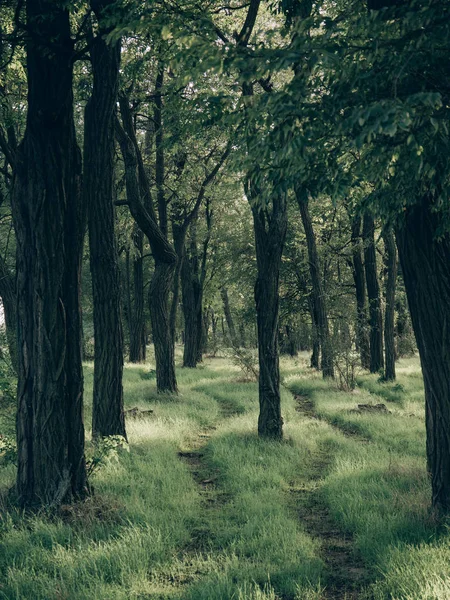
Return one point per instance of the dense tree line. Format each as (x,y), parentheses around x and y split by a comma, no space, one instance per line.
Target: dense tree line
(270,176)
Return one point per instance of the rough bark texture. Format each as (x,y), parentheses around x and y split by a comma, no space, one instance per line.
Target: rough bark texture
(270,233)
(47,217)
(159,290)
(318,296)
(389,315)
(373,294)
(362,337)
(107,409)
(137,319)
(425,264)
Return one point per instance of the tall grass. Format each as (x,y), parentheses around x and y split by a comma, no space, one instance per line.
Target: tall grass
(155,530)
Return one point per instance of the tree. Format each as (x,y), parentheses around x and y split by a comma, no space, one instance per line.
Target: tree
(48,221)
(362,339)
(389,317)
(373,294)
(107,410)
(163,253)
(318,296)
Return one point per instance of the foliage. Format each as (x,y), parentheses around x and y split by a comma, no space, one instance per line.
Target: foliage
(247,361)
(8,450)
(104,451)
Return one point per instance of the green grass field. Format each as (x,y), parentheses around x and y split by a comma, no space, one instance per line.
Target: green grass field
(198,508)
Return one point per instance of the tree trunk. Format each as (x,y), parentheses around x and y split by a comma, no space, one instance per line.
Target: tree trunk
(318,295)
(192,302)
(229,316)
(9,301)
(165,260)
(214,320)
(315,354)
(190,315)
(389,325)
(179,237)
(137,320)
(292,342)
(425,264)
(47,215)
(107,408)
(362,338)
(160,285)
(270,233)
(373,293)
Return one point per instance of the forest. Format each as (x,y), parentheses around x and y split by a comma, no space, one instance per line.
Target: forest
(225,299)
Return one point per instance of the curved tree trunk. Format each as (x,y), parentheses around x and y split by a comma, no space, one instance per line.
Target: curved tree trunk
(389,324)
(165,264)
(318,295)
(373,293)
(425,263)
(47,215)
(107,409)
(362,338)
(270,233)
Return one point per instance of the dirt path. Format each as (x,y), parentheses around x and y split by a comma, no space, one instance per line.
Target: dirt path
(347,574)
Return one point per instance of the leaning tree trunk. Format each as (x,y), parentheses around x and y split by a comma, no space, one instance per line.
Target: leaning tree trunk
(270,233)
(362,338)
(318,296)
(389,316)
(425,262)
(165,263)
(47,219)
(373,293)
(107,409)
(137,319)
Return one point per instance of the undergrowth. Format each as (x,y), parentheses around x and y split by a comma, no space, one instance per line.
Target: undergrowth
(150,531)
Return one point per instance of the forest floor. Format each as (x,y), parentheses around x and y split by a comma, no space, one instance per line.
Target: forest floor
(198,508)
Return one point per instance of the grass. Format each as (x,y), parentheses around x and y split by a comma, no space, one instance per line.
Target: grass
(224,523)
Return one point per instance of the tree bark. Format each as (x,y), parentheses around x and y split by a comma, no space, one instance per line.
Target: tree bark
(425,262)
(389,316)
(362,338)
(137,319)
(107,409)
(270,233)
(48,220)
(318,295)
(373,293)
